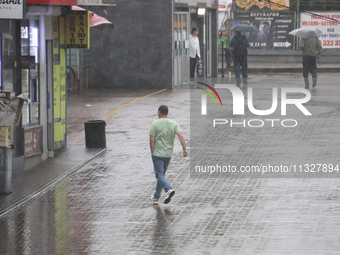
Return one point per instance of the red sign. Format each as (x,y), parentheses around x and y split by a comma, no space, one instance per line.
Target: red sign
(56,2)
(33,141)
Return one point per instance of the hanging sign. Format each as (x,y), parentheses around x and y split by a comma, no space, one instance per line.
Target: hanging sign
(77,30)
(11,9)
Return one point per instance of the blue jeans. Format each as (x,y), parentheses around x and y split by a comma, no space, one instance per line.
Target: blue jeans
(159,166)
(237,66)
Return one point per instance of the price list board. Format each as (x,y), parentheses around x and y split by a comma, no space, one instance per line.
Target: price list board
(274,28)
(330,36)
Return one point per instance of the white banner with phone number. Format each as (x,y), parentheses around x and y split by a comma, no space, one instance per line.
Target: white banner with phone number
(330,37)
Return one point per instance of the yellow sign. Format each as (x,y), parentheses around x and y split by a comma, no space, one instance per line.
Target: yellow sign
(272,4)
(4,136)
(77,30)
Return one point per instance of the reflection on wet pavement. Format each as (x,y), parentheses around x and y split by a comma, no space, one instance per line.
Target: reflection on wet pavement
(105,207)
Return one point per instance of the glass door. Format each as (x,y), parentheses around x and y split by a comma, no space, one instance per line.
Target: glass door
(30,71)
(209,57)
(181,45)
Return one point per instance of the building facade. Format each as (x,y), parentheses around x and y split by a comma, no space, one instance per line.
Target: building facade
(33,63)
(149,45)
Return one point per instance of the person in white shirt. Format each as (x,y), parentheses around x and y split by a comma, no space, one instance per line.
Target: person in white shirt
(194,50)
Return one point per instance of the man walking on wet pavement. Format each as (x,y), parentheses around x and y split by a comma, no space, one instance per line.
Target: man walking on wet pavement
(238,52)
(162,135)
(311,49)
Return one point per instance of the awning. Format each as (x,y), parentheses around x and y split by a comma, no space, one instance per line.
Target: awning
(96,21)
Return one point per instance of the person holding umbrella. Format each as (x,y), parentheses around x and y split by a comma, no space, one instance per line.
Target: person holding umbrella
(311,50)
(238,52)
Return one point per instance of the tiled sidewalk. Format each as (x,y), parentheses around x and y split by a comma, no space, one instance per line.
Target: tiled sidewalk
(96,104)
(105,206)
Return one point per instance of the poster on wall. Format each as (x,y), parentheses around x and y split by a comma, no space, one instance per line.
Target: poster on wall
(224,5)
(253,5)
(223,12)
(274,28)
(33,141)
(330,36)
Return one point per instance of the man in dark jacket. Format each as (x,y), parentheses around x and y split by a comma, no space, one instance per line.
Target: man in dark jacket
(311,50)
(238,52)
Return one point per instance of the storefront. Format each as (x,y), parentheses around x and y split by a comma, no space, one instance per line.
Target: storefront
(202,15)
(44,79)
(11,15)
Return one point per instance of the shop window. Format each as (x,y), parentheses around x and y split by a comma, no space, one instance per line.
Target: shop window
(30,71)
(7,55)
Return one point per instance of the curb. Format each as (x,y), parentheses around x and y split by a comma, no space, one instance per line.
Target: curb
(282,70)
(49,185)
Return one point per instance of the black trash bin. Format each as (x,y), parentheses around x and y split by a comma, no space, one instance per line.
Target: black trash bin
(95,136)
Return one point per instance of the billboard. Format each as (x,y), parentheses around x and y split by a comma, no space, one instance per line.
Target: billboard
(273,29)
(253,5)
(330,36)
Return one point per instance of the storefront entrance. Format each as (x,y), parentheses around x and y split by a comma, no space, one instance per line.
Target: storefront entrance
(181,46)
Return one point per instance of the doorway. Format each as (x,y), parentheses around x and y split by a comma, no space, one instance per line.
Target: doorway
(181,46)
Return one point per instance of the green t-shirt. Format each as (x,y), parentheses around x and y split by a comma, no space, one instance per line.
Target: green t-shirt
(164,131)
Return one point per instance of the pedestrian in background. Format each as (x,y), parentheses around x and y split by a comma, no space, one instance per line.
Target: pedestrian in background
(162,135)
(194,50)
(238,51)
(311,50)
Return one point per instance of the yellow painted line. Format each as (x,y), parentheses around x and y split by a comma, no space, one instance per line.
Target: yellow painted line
(121,107)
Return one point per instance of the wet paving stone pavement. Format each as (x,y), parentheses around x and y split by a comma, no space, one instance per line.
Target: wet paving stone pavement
(104,207)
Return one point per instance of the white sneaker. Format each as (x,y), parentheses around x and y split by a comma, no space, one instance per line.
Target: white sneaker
(154,201)
(170,194)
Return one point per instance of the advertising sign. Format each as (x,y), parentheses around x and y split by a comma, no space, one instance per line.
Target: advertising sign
(253,5)
(223,5)
(11,9)
(33,141)
(10,110)
(330,36)
(56,2)
(77,30)
(273,29)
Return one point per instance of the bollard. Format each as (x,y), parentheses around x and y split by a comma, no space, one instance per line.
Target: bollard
(95,136)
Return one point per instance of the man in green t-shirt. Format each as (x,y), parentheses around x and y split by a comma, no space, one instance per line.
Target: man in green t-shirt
(162,135)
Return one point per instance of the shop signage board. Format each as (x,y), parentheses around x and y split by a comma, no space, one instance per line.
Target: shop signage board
(223,5)
(274,28)
(11,9)
(330,36)
(77,30)
(253,5)
(199,3)
(97,2)
(55,2)
(33,141)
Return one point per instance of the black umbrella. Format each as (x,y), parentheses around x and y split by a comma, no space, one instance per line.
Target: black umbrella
(244,28)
